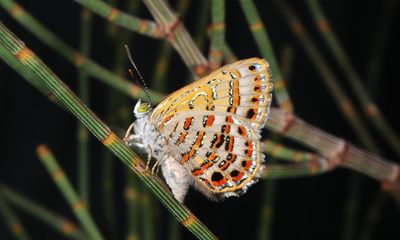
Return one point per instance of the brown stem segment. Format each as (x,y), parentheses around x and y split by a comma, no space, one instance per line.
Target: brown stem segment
(336,150)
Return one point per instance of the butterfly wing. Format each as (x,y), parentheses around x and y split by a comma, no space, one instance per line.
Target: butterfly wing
(213,125)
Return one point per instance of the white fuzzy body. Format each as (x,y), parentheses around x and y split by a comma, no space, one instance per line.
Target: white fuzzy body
(176,175)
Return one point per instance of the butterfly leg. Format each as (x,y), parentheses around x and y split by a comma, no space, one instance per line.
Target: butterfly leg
(129,137)
(148,148)
(156,167)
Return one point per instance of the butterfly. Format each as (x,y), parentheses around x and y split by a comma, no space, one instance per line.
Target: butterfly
(207,134)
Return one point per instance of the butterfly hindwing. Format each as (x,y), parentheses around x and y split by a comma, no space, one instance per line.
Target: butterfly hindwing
(214,125)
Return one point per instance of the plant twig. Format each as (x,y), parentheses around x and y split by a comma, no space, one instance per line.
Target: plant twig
(177,36)
(13,222)
(77,205)
(265,47)
(75,57)
(55,221)
(286,62)
(371,110)
(144,27)
(337,151)
(83,92)
(102,132)
(217,33)
(343,101)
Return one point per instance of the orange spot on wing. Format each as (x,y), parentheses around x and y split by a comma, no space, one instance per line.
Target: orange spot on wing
(188,123)
(236,100)
(236,74)
(231,157)
(249,150)
(229,119)
(256,100)
(192,152)
(185,158)
(212,157)
(257,88)
(223,165)
(181,138)
(237,175)
(168,118)
(235,87)
(204,166)
(242,131)
(226,129)
(210,120)
(199,140)
(231,142)
(220,182)
(246,164)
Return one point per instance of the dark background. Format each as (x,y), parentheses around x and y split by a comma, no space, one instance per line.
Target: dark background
(306,208)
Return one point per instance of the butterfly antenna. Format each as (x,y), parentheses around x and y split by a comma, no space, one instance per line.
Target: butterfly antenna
(145,88)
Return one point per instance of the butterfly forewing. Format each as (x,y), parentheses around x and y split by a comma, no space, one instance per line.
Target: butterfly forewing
(214,125)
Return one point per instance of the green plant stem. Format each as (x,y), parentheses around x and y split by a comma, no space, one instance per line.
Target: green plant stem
(265,47)
(294,170)
(177,36)
(164,58)
(330,146)
(373,70)
(108,193)
(58,223)
(102,132)
(372,216)
(27,74)
(144,27)
(336,151)
(65,187)
(380,38)
(174,230)
(116,105)
(217,33)
(201,32)
(75,57)
(277,150)
(267,210)
(351,208)
(132,203)
(147,220)
(371,110)
(229,56)
(122,118)
(13,222)
(343,101)
(83,93)
(160,79)
(286,63)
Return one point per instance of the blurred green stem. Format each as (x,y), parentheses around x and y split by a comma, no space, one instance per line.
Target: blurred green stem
(84,92)
(58,223)
(70,195)
(13,222)
(265,47)
(371,110)
(102,132)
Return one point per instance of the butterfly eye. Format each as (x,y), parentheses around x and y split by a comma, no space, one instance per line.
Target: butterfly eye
(144,107)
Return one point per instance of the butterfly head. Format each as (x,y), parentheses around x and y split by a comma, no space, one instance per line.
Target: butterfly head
(141,109)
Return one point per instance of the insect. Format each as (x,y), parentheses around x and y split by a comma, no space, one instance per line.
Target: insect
(207,134)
